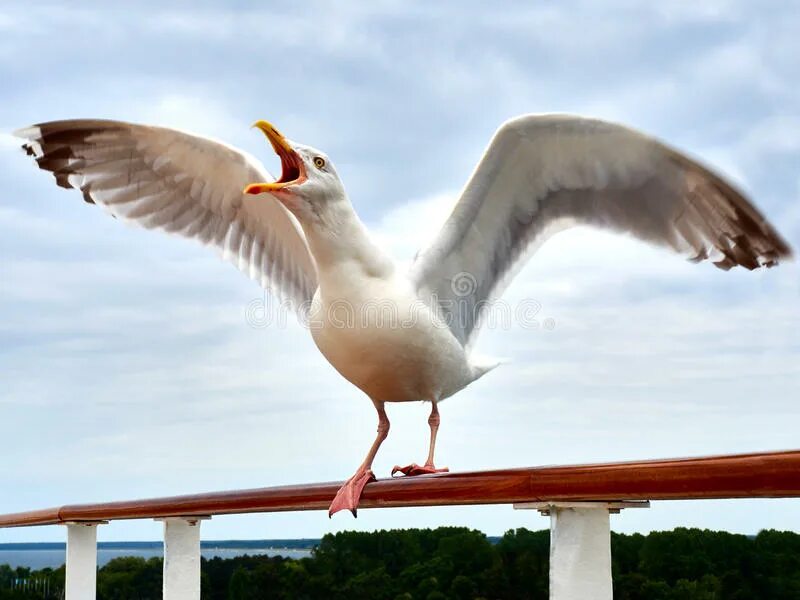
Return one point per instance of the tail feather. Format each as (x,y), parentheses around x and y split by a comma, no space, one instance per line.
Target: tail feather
(483,364)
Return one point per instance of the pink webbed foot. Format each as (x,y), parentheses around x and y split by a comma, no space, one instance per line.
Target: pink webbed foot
(350,493)
(414,469)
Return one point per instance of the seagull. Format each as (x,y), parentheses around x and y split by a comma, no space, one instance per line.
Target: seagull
(300,238)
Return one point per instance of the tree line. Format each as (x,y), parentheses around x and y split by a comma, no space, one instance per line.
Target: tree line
(460,564)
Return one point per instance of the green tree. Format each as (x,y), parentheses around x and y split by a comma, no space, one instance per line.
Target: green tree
(130,578)
(458,563)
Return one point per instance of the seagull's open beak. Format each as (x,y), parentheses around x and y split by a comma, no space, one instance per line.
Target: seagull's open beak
(292,169)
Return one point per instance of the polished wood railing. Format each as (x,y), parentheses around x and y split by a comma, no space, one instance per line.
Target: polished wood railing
(755,475)
(578,499)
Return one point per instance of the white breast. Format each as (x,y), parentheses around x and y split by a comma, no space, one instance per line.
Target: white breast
(381,338)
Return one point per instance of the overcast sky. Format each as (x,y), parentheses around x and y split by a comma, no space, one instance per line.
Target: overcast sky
(127,364)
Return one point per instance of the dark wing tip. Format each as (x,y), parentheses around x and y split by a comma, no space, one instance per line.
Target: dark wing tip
(748,239)
(52,145)
(758,244)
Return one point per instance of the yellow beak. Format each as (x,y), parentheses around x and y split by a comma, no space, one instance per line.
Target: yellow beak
(292,168)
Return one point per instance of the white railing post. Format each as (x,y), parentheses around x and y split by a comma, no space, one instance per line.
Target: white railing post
(182,558)
(580,547)
(81,575)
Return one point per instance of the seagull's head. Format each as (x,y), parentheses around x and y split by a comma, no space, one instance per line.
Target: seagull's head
(308,181)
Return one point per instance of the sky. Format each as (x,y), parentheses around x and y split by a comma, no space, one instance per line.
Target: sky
(129,366)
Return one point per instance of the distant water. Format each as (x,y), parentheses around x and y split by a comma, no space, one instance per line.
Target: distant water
(40,556)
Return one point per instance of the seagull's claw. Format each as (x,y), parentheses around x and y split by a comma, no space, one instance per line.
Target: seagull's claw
(350,493)
(414,469)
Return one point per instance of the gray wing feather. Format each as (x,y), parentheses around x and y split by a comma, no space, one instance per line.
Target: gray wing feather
(543,173)
(184,184)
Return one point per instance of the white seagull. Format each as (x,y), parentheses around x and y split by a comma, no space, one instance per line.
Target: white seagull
(300,238)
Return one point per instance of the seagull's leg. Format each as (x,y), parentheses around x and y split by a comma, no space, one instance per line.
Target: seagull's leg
(433,422)
(428,467)
(350,493)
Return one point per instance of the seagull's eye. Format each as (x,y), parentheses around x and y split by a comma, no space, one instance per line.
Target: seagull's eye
(319,162)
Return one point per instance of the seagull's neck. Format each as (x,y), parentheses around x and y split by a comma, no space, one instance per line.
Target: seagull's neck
(342,247)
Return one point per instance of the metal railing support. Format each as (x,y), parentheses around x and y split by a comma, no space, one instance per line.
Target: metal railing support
(580,547)
(81,571)
(182,558)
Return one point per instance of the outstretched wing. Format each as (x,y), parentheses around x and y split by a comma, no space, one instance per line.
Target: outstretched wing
(180,183)
(543,173)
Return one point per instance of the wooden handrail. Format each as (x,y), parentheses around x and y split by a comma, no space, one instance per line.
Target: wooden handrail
(757,475)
